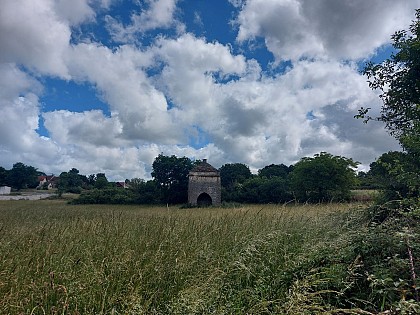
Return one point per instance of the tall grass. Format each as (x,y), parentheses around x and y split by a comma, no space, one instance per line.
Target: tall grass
(92,259)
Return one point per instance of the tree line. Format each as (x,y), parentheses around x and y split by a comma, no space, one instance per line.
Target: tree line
(321,178)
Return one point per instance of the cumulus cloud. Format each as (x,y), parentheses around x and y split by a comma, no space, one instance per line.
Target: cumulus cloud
(294,29)
(158,14)
(31,34)
(186,96)
(75,11)
(19,119)
(89,127)
(121,80)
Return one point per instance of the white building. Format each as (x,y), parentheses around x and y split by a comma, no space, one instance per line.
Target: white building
(5,190)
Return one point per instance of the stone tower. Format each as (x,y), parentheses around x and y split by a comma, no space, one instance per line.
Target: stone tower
(204,187)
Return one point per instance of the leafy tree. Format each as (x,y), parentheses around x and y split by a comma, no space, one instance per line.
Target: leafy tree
(145,192)
(274,170)
(265,190)
(90,180)
(234,174)
(171,175)
(101,181)
(3,176)
(390,171)
(366,180)
(323,177)
(398,78)
(22,176)
(232,177)
(70,181)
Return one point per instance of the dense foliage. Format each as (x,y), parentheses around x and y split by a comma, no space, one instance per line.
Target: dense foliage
(171,174)
(398,79)
(323,177)
(70,181)
(328,178)
(19,177)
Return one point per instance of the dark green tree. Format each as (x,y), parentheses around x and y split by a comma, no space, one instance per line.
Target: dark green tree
(398,79)
(265,190)
(22,176)
(171,176)
(274,170)
(366,180)
(3,176)
(323,177)
(144,192)
(101,181)
(233,174)
(70,182)
(389,173)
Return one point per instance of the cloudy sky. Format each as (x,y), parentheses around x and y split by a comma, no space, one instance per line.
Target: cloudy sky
(107,85)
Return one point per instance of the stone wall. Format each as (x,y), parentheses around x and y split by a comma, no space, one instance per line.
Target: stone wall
(204,182)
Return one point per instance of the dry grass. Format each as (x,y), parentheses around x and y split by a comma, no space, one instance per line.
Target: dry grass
(95,259)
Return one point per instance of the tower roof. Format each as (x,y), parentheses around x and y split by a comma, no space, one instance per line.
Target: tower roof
(204,167)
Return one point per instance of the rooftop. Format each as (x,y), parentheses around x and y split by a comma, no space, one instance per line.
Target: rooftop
(204,167)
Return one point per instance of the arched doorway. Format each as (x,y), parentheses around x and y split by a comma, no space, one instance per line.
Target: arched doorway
(204,200)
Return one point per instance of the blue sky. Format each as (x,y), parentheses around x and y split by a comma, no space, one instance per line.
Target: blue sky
(107,85)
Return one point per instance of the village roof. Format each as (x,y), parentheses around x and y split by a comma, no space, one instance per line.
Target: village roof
(204,167)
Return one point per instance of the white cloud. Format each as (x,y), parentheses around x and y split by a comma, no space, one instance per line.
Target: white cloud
(90,127)
(19,119)
(122,82)
(188,77)
(263,121)
(32,34)
(159,14)
(185,91)
(237,3)
(74,11)
(293,29)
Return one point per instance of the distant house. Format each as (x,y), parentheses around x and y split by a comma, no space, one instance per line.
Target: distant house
(5,190)
(122,184)
(50,181)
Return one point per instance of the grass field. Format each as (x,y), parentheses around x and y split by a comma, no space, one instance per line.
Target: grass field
(65,259)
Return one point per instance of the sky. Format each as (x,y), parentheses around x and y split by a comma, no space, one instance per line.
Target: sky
(105,86)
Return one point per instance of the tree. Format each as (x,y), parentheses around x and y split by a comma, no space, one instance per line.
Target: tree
(171,175)
(265,190)
(323,177)
(390,171)
(366,180)
(145,192)
(398,78)
(22,176)
(101,181)
(70,182)
(3,176)
(234,174)
(274,170)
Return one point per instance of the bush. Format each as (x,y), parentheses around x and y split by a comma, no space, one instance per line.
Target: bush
(105,196)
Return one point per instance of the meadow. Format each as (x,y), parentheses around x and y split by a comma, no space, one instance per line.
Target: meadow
(58,258)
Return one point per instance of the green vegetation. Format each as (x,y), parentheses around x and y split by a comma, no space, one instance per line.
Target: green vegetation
(19,177)
(323,178)
(398,80)
(312,259)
